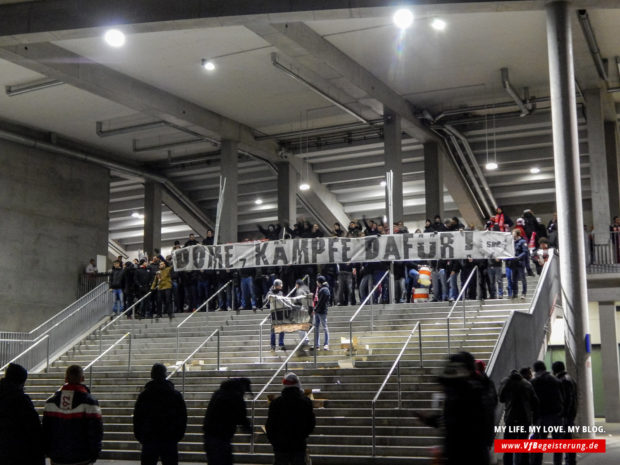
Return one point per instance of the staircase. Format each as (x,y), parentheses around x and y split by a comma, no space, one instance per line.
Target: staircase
(347,384)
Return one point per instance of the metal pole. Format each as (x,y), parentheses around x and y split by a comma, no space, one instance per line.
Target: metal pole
(47,365)
(420,342)
(90,381)
(350,339)
(100,341)
(464,322)
(315,351)
(260,343)
(218,350)
(372,318)
(252,435)
(448,328)
(129,359)
(569,203)
(183,381)
(390,186)
(398,378)
(177,342)
(373,428)
(216,233)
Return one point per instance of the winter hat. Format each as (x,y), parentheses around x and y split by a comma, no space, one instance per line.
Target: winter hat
(291,379)
(15,374)
(158,372)
(277,282)
(299,282)
(520,221)
(321,279)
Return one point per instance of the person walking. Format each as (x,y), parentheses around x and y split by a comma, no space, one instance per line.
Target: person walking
(159,419)
(569,412)
(290,421)
(21,439)
(319,314)
(72,425)
(225,411)
(548,388)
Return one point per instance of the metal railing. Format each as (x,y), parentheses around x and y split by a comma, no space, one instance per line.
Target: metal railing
(89,367)
(359,309)
(182,365)
(603,252)
(204,304)
(395,365)
(27,352)
(63,327)
(462,297)
(88,282)
(262,391)
(133,316)
(261,324)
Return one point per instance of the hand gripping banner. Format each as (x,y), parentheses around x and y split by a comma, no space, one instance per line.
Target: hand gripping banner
(302,251)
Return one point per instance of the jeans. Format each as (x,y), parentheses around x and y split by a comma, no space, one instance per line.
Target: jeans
(203,292)
(152,451)
(496,282)
(518,274)
(280,339)
(381,294)
(509,281)
(191,295)
(219,451)
(247,293)
(164,299)
(454,287)
(440,285)
(320,319)
(365,286)
(400,290)
(118,300)
(345,286)
(224,298)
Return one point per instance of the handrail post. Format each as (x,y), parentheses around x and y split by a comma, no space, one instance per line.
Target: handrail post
(183,382)
(129,357)
(373,428)
(90,381)
(218,350)
(47,365)
(100,341)
(177,343)
(398,378)
(372,318)
(448,329)
(350,339)
(464,322)
(260,343)
(420,343)
(252,435)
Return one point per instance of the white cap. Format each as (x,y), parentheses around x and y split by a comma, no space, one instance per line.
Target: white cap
(291,379)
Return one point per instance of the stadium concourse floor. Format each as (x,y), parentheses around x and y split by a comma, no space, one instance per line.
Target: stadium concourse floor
(611,457)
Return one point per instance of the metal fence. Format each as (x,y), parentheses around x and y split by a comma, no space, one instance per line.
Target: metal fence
(88,282)
(62,329)
(603,252)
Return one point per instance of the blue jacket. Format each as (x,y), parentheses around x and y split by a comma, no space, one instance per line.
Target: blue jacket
(72,426)
(324,296)
(521,251)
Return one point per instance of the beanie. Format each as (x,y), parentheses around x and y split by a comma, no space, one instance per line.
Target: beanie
(16,374)
(291,379)
(321,279)
(158,372)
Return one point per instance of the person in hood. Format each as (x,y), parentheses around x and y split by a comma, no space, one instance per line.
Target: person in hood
(21,440)
(290,421)
(225,411)
(72,425)
(159,419)
(320,312)
(117,282)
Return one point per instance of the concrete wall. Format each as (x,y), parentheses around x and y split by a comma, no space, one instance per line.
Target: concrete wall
(53,218)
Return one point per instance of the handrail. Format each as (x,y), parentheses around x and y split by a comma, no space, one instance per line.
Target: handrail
(91,364)
(205,303)
(293,290)
(184,362)
(372,314)
(396,365)
(284,364)
(29,349)
(133,315)
(461,294)
(54,316)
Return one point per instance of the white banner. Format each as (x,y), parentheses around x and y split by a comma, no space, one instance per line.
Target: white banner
(398,247)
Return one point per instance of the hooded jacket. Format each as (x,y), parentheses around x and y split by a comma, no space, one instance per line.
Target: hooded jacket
(290,421)
(323,299)
(160,414)
(226,410)
(521,402)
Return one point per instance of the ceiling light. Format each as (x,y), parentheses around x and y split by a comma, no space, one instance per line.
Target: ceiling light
(208,65)
(491,166)
(438,24)
(383,183)
(403,18)
(114,38)
(535,170)
(258,202)
(384,219)
(304,186)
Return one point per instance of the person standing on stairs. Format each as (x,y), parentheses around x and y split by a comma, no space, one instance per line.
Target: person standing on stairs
(159,419)
(163,284)
(319,315)
(275,289)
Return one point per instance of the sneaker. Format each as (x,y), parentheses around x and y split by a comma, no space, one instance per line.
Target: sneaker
(273,347)
(325,347)
(282,347)
(522,297)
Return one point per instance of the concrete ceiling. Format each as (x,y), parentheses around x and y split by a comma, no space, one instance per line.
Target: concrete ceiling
(432,70)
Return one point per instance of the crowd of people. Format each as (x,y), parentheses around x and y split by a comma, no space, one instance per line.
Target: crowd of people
(71,431)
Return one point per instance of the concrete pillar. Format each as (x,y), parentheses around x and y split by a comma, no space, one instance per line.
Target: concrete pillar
(569,202)
(598,164)
(433,180)
(392,134)
(287,193)
(152,217)
(612,145)
(611,363)
(230,201)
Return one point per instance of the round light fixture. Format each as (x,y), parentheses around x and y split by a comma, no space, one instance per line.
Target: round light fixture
(304,186)
(491,166)
(383,183)
(438,24)
(258,202)
(114,38)
(535,170)
(208,65)
(403,18)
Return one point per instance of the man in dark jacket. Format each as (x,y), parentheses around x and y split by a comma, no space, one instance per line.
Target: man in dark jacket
(226,410)
(320,312)
(159,419)
(72,426)
(549,391)
(289,423)
(517,265)
(521,409)
(117,282)
(21,440)
(569,412)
